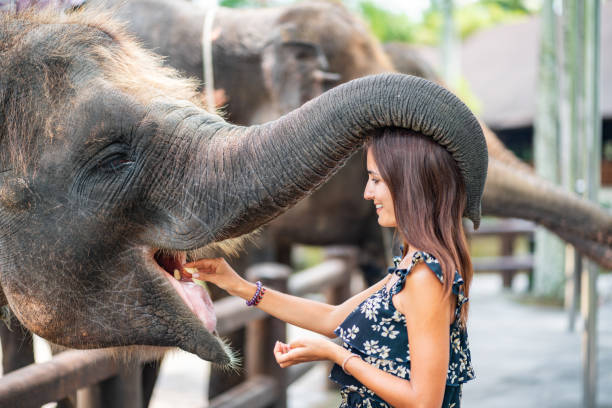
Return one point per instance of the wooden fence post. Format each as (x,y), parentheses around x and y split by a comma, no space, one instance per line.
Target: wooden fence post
(339,293)
(123,390)
(263,334)
(348,254)
(17,345)
(507,250)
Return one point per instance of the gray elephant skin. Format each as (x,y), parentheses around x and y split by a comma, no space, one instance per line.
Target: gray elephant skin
(253,45)
(110,176)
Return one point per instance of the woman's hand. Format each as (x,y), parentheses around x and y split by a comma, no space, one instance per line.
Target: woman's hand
(303,350)
(218,272)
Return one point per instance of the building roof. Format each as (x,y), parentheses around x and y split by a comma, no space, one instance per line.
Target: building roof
(500,65)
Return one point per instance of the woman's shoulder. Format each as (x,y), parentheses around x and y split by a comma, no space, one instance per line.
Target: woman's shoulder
(424,263)
(421,260)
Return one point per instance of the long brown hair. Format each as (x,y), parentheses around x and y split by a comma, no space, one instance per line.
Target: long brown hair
(429,197)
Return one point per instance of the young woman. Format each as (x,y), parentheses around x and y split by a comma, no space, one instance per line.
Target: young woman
(404,339)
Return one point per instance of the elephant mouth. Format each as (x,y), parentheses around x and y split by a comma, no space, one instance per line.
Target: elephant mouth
(195,296)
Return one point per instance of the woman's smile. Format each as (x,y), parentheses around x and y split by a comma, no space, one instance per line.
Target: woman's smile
(377,190)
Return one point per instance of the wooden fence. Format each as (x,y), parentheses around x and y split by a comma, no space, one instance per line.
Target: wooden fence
(506,263)
(120,385)
(265,384)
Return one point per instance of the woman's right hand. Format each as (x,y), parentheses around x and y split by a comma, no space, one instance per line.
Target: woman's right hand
(218,272)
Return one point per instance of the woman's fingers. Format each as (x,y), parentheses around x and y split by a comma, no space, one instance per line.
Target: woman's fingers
(202,264)
(299,351)
(297,343)
(207,266)
(278,352)
(295,355)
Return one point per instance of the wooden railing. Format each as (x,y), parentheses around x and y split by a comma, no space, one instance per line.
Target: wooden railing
(506,263)
(266,383)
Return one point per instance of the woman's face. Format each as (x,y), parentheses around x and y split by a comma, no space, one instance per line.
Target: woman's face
(377,191)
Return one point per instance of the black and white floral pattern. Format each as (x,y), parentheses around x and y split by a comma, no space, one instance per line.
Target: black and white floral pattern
(377,332)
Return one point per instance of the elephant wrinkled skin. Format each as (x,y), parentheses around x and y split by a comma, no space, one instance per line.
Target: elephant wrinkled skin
(110,176)
(247,49)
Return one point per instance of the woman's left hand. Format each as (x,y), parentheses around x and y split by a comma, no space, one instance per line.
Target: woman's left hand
(303,350)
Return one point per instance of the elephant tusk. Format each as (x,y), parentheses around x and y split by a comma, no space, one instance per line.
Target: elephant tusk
(319,75)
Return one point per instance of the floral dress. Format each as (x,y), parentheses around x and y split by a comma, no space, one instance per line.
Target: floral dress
(377,332)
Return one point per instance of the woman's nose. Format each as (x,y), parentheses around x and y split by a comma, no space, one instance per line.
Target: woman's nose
(367,194)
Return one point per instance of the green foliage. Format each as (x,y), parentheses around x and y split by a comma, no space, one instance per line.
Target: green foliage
(388,26)
(235,3)
(303,256)
(477,16)
(244,3)
(464,92)
(510,5)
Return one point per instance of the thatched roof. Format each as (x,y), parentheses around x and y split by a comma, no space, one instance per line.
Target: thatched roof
(501,66)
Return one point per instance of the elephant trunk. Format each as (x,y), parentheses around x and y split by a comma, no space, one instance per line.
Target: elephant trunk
(265,169)
(512,193)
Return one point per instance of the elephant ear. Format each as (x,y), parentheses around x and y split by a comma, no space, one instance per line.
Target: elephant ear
(294,70)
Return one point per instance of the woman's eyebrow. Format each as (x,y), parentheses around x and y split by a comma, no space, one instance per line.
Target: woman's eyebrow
(372,172)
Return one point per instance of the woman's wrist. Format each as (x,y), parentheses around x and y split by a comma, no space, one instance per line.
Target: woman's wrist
(244,289)
(338,353)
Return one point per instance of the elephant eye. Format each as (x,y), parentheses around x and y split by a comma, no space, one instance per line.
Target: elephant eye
(114,158)
(115,163)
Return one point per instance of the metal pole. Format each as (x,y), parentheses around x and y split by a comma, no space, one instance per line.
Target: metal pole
(548,273)
(572,175)
(450,50)
(571,113)
(592,122)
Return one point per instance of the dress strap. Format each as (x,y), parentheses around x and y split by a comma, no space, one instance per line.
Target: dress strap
(417,257)
(434,266)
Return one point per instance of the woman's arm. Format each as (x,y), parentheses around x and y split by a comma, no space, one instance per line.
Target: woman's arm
(427,320)
(305,313)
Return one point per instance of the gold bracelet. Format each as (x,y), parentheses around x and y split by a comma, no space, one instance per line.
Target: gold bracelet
(347,359)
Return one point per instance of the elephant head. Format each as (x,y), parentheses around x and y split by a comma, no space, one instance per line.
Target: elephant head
(109,177)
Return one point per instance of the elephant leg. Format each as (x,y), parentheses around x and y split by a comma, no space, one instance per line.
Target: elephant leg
(150,372)
(17,346)
(375,251)
(132,387)
(283,252)
(120,391)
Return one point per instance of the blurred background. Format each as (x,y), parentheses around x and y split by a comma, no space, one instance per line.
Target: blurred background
(519,65)
(537,73)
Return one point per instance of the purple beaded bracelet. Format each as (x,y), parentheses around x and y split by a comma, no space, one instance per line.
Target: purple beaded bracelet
(257,296)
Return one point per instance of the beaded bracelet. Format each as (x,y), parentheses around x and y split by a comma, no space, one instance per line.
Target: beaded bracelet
(347,359)
(257,296)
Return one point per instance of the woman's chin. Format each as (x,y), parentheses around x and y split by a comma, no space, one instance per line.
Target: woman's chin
(386,223)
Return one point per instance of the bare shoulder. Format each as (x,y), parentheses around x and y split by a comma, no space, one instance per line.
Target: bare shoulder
(422,278)
(420,273)
(422,290)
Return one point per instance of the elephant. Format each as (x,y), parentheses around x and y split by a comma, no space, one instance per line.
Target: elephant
(514,190)
(112,176)
(243,42)
(245,71)
(268,62)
